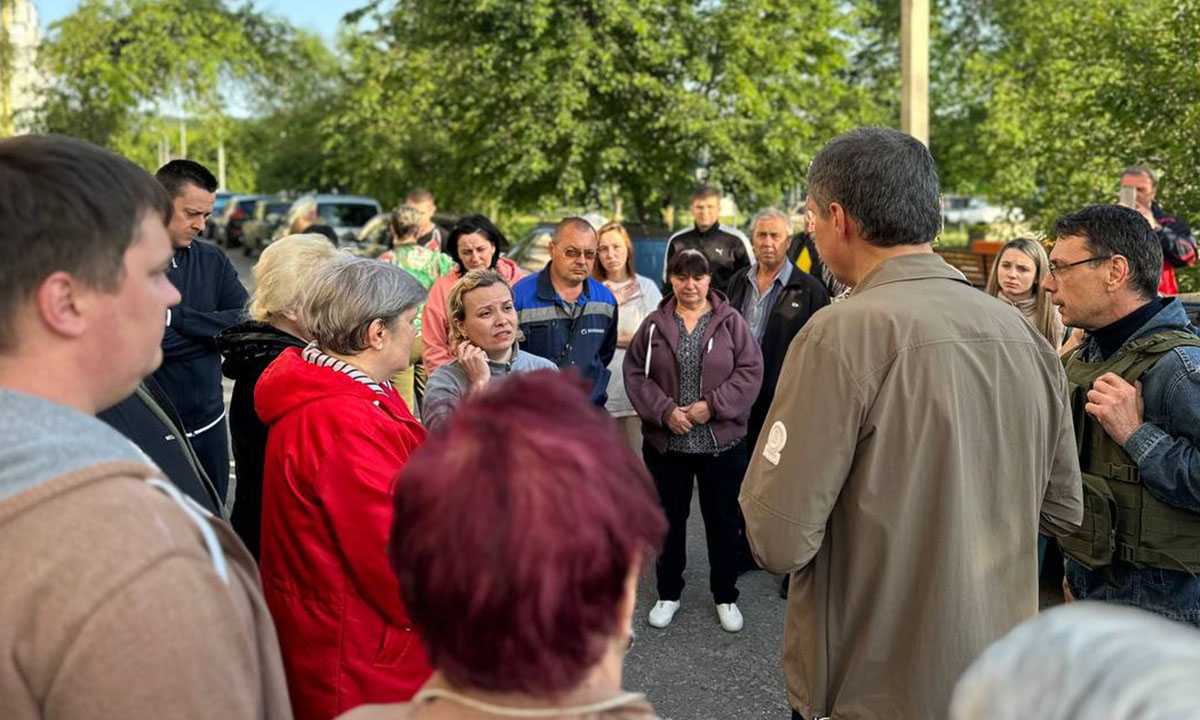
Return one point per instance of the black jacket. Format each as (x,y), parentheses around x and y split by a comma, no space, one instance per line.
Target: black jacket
(248,349)
(727,253)
(213,299)
(803,254)
(797,301)
(148,419)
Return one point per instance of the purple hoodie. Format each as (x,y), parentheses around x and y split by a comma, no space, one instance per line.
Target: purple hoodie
(730,378)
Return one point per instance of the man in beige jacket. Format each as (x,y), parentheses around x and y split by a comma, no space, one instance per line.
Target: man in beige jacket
(919,430)
(122,598)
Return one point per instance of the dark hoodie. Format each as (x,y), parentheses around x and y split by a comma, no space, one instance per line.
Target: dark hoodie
(731,373)
(248,349)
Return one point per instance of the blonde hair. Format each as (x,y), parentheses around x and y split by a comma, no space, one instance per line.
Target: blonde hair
(283,271)
(299,214)
(1043,311)
(598,270)
(456,309)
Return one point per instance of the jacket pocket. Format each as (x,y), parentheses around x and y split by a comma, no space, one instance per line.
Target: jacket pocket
(394,645)
(1095,542)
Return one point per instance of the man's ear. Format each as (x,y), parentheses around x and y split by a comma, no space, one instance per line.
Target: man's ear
(63,303)
(841,221)
(1119,273)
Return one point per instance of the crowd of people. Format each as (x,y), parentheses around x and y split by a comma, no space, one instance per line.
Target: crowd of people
(450,474)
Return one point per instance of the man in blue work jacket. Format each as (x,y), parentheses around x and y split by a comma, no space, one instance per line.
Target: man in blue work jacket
(567,316)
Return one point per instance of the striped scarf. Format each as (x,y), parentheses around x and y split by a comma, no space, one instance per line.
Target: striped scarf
(312,354)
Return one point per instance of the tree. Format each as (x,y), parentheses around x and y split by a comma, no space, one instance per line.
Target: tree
(537,103)
(120,68)
(1081,90)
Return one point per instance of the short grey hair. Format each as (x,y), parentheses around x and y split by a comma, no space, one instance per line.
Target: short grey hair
(350,293)
(1141,170)
(886,181)
(768,214)
(1085,660)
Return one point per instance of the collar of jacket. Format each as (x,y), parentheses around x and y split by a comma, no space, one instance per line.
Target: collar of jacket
(904,268)
(664,317)
(546,291)
(1172,316)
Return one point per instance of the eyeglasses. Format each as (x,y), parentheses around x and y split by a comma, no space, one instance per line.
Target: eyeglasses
(1055,269)
(576,253)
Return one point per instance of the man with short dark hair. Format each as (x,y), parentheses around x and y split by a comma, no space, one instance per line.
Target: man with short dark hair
(726,248)
(429,234)
(1172,232)
(566,315)
(122,598)
(919,429)
(1135,386)
(213,299)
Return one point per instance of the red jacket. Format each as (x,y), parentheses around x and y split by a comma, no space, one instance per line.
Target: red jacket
(334,449)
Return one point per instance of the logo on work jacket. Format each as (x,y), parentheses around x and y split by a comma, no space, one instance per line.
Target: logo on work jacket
(776,439)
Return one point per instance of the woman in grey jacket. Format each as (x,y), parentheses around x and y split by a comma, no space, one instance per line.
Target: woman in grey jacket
(483,333)
(692,373)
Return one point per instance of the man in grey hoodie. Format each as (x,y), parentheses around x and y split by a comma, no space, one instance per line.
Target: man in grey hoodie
(122,598)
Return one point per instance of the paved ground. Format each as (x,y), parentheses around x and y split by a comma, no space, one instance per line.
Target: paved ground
(693,670)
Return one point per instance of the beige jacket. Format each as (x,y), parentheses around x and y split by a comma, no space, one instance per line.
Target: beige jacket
(113,605)
(919,429)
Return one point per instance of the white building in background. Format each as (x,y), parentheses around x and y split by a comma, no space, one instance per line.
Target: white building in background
(18,92)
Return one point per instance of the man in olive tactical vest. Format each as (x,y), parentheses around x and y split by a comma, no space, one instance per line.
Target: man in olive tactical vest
(1135,393)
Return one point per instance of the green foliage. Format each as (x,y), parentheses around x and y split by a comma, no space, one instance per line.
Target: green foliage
(120,68)
(535,103)
(1081,89)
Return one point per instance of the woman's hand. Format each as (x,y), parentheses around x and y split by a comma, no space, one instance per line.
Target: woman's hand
(474,363)
(699,412)
(678,421)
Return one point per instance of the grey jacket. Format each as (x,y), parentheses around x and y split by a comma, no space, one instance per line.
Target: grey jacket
(448,384)
(919,430)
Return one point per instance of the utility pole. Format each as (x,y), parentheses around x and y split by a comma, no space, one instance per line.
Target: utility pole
(914,68)
(221,162)
(182,137)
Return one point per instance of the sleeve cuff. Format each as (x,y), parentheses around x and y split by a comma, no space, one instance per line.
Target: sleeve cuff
(1143,441)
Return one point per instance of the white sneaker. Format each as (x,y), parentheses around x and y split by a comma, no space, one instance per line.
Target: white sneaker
(663,613)
(730,616)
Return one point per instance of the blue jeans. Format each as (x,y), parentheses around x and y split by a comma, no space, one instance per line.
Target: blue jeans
(1170,593)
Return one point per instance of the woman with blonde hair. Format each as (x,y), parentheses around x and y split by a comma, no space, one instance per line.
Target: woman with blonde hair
(281,273)
(637,296)
(1017,276)
(483,333)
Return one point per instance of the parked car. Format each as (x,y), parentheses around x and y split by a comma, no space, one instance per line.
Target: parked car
(269,214)
(963,210)
(238,209)
(346,214)
(211,225)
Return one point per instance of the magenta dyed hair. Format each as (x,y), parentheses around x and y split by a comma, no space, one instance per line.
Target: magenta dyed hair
(515,528)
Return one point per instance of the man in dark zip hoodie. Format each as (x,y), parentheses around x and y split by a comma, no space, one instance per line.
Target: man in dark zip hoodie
(213,299)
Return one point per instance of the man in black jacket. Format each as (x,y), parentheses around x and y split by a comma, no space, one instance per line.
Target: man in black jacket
(148,419)
(777,299)
(213,299)
(726,248)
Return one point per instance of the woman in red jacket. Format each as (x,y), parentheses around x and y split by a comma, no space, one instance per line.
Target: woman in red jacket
(339,435)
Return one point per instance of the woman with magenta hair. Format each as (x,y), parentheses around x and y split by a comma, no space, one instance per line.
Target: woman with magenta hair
(531,614)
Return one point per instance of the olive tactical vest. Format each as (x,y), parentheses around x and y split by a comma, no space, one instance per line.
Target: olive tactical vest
(1122,521)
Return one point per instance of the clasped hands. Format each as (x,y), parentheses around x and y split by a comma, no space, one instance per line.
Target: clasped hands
(1116,405)
(683,419)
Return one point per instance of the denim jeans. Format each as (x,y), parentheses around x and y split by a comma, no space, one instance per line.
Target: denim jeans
(1170,593)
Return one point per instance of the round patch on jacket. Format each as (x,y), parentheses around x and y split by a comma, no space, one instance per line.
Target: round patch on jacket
(776,439)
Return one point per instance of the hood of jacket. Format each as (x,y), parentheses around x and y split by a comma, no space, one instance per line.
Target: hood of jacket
(251,346)
(41,440)
(291,382)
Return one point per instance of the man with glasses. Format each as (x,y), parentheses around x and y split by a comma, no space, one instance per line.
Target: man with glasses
(1135,393)
(567,316)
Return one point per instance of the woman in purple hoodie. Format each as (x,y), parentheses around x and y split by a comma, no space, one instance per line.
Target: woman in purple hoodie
(692,372)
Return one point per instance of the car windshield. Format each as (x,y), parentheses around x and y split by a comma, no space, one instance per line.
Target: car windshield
(346,214)
(278,208)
